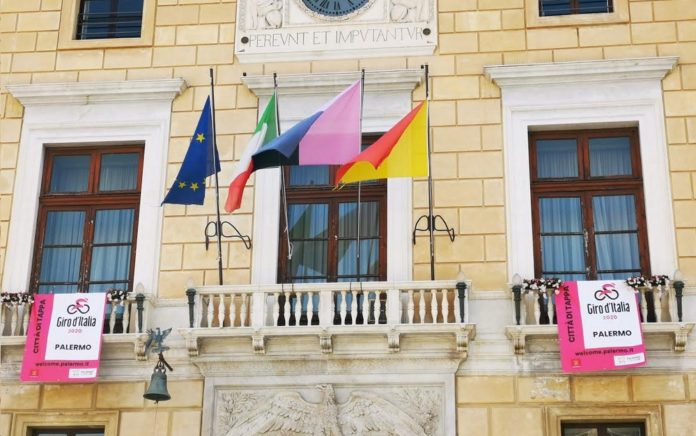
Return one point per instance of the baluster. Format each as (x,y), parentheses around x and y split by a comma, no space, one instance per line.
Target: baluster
(276,308)
(365,306)
(310,307)
(421,306)
(445,306)
(298,307)
(13,319)
(549,304)
(657,298)
(2,318)
(112,316)
(344,307)
(665,315)
(530,303)
(433,305)
(125,321)
(242,311)
(643,304)
(354,307)
(221,310)
(672,303)
(375,307)
(411,308)
(210,311)
(234,298)
(457,310)
(286,308)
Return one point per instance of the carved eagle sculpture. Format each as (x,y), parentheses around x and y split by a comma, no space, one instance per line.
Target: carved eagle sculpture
(287,413)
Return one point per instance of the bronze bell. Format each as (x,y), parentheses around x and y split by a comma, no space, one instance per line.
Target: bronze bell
(157,391)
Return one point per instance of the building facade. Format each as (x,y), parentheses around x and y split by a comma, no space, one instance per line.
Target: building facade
(563,144)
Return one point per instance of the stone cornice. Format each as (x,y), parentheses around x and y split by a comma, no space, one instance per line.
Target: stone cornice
(90,92)
(324,83)
(581,71)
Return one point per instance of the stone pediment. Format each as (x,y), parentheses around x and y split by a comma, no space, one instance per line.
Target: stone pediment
(295,30)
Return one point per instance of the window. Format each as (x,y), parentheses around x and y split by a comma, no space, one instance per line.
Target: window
(323,228)
(99,19)
(549,8)
(603,429)
(587,205)
(68,432)
(88,214)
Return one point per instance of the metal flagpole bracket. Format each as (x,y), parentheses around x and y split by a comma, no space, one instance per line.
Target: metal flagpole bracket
(431,223)
(212,231)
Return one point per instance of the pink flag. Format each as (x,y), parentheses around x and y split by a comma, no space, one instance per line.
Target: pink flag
(334,138)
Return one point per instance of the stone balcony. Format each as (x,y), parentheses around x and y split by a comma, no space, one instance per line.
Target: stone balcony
(661,316)
(371,318)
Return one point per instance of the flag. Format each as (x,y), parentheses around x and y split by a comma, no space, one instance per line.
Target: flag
(330,136)
(401,152)
(266,130)
(189,185)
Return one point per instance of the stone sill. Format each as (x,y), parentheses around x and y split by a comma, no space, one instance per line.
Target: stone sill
(441,334)
(519,334)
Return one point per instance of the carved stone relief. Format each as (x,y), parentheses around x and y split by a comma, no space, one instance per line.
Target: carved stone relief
(404,411)
(409,11)
(265,14)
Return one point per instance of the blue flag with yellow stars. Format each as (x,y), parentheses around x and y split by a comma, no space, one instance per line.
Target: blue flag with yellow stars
(189,186)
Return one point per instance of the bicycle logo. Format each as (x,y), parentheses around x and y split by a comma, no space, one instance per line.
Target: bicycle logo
(79,306)
(607,291)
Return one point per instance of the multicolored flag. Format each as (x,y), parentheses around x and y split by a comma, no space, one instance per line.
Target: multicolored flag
(330,136)
(401,152)
(201,161)
(266,130)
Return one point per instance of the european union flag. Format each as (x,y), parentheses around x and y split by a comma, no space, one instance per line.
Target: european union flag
(189,186)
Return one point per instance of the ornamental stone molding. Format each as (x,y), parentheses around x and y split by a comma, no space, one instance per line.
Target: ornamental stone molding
(93,92)
(581,71)
(298,30)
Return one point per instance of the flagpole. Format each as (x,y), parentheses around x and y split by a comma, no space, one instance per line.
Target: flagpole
(283,189)
(362,98)
(217,188)
(431,218)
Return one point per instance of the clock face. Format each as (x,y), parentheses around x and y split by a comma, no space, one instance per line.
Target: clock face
(335,8)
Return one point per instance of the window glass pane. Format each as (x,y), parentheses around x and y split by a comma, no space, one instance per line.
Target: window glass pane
(580,432)
(114,226)
(617,252)
(594,6)
(70,174)
(110,19)
(110,263)
(557,158)
(614,213)
(624,431)
(560,215)
(308,221)
(62,251)
(554,7)
(369,219)
(57,289)
(309,260)
(563,254)
(310,175)
(369,257)
(610,157)
(119,172)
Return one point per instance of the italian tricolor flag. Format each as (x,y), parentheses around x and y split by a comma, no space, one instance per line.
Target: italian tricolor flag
(266,130)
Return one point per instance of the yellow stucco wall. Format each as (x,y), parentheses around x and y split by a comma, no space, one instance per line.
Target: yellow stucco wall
(188,36)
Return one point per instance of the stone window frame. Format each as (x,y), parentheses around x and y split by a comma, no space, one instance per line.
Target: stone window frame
(25,422)
(620,15)
(586,95)
(89,114)
(649,414)
(68,29)
(388,97)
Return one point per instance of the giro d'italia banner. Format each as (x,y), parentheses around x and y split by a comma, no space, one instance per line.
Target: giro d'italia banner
(599,326)
(64,338)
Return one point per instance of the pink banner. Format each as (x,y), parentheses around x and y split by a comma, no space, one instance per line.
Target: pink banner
(599,326)
(64,338)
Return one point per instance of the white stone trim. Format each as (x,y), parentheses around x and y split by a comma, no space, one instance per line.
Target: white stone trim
(387,100)
(79,114)
(594,94)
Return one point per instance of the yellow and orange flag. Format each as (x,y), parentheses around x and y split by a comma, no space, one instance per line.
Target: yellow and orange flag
(401,152)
